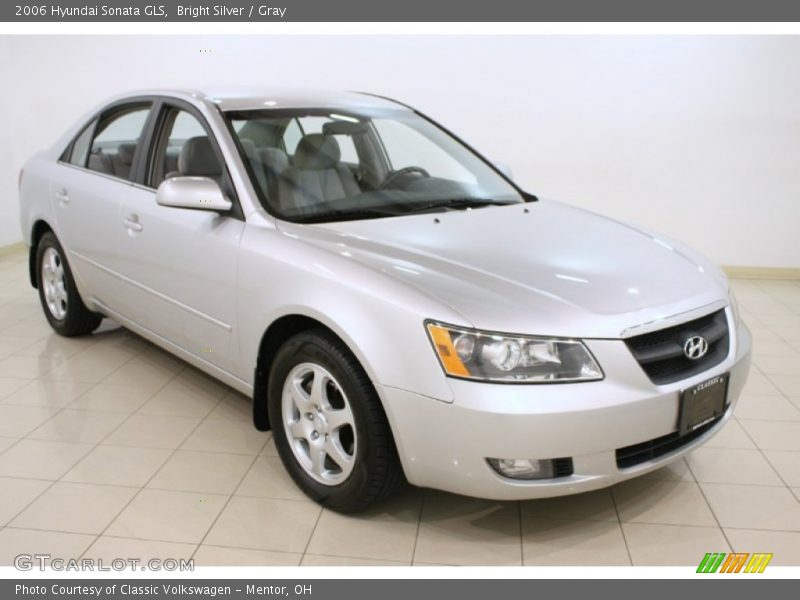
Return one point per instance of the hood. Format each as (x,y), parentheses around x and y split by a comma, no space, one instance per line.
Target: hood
(538,268)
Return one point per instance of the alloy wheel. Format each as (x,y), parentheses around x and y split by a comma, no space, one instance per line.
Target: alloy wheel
(319,424)
(54,282)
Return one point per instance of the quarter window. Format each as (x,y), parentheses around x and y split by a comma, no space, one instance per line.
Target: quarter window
(291,137)
(80,147)
(347,149)
(116,139)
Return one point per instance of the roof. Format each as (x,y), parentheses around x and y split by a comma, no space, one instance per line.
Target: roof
(243,98)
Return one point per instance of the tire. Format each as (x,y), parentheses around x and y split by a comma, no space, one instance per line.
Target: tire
(61,302)
(375,472)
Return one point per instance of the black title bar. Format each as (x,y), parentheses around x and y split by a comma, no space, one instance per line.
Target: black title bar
(730,588)
(407,10)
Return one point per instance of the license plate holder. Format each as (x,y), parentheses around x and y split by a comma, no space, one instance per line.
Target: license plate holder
(702,403)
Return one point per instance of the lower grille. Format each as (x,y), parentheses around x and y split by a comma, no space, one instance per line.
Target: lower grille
(660,353)
(630,456)
(562,467)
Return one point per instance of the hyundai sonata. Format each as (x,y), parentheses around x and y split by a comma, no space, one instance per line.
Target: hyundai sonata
(394,304)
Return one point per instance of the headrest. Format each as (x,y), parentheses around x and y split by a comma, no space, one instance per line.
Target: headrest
(275,159)
(197,158)
(125,153)
(317,151)
(249,147)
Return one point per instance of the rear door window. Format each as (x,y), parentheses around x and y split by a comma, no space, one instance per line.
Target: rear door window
(116,140)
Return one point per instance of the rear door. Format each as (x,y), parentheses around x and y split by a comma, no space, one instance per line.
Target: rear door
(180,264)
(93,180)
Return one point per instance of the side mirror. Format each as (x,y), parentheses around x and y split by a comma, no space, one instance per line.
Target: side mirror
(199,193)
(504,169)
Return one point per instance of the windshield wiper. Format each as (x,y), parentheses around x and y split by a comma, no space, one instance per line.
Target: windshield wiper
(344,215)
(373,213)
(457,204)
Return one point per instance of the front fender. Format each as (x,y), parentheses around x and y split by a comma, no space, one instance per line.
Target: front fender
(379,318)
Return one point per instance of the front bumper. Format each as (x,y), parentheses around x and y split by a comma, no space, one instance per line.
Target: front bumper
(445,445)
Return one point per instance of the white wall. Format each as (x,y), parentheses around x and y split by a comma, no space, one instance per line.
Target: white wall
(697,136)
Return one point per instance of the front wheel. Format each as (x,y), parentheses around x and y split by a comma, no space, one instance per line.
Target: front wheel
(61,302)
(328,424)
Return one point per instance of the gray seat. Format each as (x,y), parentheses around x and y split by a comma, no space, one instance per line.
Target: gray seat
(256,164)
(118,164)
(123,160)
(268,165)
(197,159)
(275,162)
(101,162)
(316,174)
(274,159)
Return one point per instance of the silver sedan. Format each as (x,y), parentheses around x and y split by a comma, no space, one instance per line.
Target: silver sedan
(396,306)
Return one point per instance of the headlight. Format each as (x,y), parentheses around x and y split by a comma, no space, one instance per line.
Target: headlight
(737,318)
(485,356)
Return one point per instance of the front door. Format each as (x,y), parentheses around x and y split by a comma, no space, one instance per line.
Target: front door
(180,264)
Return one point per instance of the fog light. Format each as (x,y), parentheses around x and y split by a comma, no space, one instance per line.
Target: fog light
(523,468)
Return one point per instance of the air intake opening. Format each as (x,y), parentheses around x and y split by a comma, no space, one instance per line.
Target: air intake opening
(630,456)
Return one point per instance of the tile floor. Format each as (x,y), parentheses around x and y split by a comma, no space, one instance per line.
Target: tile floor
(110,447)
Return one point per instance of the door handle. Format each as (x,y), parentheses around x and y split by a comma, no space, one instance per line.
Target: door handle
(132,223)
(62,196)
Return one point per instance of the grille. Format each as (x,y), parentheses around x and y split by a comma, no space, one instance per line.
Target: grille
(630,456)
(660,353)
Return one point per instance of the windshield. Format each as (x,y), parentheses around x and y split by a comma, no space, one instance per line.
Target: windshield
(315,165)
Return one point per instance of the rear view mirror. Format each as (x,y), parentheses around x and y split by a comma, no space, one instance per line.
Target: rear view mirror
(198,193)
(344,128)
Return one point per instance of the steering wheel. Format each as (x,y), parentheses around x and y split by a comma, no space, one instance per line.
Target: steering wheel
(392,177)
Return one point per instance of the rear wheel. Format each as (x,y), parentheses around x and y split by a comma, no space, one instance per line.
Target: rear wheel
(61,302)
(328,424)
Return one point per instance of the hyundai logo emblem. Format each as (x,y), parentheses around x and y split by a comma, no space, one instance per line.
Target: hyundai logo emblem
(695,347)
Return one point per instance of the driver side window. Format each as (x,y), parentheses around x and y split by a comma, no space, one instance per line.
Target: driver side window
(291,136)
(184,148)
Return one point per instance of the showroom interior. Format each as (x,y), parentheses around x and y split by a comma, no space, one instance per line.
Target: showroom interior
(110,446)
